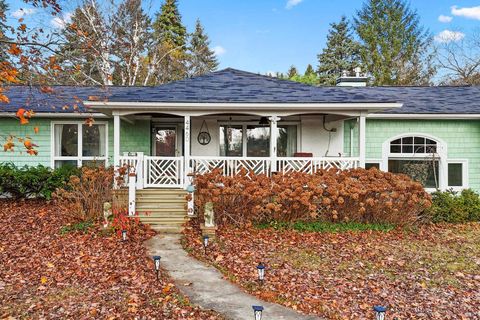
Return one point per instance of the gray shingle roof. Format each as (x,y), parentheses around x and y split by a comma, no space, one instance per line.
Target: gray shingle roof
(232,86)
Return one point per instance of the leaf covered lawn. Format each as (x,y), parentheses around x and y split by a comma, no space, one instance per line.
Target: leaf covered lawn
(44,274)
(430,273)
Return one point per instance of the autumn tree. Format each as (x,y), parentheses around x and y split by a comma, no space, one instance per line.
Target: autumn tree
(3,30)
(342,52)
(459,60)
(202,59)
(394,46)
(167,61)
(131,37)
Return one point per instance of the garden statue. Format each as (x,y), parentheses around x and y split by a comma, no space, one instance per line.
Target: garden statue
(209,217)
(107,212)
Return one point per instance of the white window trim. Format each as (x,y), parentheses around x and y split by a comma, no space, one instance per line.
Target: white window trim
(244,125)
(79,158)
(441,155)
(464,163)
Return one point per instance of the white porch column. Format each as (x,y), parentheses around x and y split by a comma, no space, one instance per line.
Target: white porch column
(361,139)
(186,148)
(116,140)
(273,142)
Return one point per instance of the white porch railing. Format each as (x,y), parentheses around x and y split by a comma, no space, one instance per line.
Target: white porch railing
(233,165)
(230,166)
(168,172)
(313,165)
(163,172)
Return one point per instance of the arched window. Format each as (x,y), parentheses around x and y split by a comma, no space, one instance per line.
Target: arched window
(416,155)
(413,145)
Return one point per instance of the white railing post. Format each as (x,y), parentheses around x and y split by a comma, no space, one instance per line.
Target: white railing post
(273,143)
(139,170)
(361,140)
(131,191)
(116,140)
(186,148)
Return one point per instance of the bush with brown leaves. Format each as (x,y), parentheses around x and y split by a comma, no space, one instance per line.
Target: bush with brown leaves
(85,194)
(369,196)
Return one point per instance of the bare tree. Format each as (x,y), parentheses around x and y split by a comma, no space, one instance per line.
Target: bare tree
(459,59)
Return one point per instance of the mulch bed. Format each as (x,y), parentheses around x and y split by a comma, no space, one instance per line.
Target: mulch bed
(429,273)
(44,274)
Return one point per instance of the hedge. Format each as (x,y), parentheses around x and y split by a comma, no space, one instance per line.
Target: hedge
(33,182)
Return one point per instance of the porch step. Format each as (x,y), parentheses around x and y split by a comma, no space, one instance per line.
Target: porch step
(165,210)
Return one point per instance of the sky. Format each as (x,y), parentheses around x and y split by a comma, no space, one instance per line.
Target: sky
(271,35)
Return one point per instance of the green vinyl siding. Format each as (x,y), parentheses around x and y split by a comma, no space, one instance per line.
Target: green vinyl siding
(461,136)
(133,137)
(12,127)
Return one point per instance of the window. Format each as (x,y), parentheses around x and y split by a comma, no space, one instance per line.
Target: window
(423,171)
(79,144)
(231,141)
(457,174)
(413,145)
(369,165)
(256,138)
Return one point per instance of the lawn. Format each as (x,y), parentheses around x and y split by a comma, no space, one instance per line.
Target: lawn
(432,272)
(47,271)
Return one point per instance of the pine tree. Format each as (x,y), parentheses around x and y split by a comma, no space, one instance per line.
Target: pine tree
(170,37)
(341,53)
(3,30)
(394,46)
(202,60)
(309,71)
(292,72)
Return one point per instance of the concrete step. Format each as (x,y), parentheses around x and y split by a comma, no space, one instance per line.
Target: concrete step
(162,191)
(161,200)
(163,218)
(181,211)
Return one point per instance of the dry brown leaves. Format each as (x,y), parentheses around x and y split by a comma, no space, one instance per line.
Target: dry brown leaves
(79,276)
(432,273)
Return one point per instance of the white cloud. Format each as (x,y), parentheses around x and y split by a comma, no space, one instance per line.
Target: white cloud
(292,3)
(219,50)
(447,36)
(20,13)
(470,13)
(61,22)
(445,19)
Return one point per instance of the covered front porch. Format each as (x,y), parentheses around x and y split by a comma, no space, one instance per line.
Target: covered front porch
(178,147)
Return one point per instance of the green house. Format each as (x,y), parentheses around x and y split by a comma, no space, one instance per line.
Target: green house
(237,120)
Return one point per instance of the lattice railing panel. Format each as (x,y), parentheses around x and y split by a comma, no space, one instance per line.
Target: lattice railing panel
(162,171)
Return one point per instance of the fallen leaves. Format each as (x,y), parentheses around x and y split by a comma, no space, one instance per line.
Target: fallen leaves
(46,275)
(432,273)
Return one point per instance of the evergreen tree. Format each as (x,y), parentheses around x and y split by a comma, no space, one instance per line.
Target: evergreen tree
(3,30)
(394,46)
(292,72)
(309,71)
(170,37)
(202,59)
(341,53)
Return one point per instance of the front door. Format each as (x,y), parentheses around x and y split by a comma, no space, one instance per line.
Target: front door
(165,139)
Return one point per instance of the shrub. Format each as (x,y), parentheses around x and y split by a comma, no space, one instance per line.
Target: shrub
(86,193)
(359,195)
(33,182)
(456,207)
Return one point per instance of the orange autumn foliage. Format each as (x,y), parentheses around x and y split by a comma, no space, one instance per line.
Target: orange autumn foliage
(351,195)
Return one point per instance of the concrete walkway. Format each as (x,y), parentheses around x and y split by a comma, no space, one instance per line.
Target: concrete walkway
(205,286)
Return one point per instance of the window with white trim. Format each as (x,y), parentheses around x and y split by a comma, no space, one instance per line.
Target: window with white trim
(457,174)
(79,144)
(416,156)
